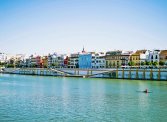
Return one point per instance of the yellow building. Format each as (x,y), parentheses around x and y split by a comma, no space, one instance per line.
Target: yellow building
(117,58)
(44,61)
(136,57)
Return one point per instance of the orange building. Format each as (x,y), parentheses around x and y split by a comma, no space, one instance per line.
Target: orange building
(163,56)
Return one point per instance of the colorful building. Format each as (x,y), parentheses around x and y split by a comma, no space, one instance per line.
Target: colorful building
(117,58)
(85,60)
(36,61)
(66,62)
(139,56)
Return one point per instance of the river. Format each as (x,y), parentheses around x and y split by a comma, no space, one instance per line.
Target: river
(55,99)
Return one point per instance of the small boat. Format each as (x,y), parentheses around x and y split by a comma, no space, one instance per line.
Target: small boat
(145,91)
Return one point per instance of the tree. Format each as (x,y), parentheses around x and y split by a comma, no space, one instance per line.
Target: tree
(2,64)
(155,63)
(110,64)
(161,63)
(143,63)
(55,64)
(131,63)
(148,63)
(33,65)
(10,66)
(45,66)
(113,64)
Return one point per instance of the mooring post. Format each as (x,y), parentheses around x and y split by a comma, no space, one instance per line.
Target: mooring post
(117,73)
(75,71)
(129,73)
(78,72)
(123,73)
(151,74)
(137,76)
(159,74)
(144,74)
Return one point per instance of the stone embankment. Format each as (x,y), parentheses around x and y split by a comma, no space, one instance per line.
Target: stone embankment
(116,73)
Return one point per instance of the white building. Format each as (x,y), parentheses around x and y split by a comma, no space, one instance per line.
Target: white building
(56,60)
(154,56)
(52,60)
(144,56)
(3,57)
(73,61)
(98,60)
(60,60)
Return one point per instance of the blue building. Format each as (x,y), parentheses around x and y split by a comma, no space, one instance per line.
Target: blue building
(85,60)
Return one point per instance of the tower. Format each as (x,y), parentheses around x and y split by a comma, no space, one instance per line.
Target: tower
(83,51)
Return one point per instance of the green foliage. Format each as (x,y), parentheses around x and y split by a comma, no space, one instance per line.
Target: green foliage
(161,63)
(131,63)
(33,65)
(148,63)
(55,64)
(2,64)
(155,63)
(45,66)
(110,64)
(114,64)
(10,65)
(143,63)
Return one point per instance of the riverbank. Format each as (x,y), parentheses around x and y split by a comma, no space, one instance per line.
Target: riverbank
(115,73)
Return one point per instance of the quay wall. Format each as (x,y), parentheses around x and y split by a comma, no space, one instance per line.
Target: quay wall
(142,74)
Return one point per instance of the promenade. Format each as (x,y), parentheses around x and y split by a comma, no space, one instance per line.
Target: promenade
(115,73)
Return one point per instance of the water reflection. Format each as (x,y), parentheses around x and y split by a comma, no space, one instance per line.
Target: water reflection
(31,98)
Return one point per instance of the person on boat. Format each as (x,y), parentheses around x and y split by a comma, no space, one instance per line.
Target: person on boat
(145,91)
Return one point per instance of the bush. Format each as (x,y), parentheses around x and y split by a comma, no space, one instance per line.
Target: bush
(143,63)
(131,63)
(161,63)
(155,63)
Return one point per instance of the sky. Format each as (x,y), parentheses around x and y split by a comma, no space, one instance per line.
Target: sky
(65,26)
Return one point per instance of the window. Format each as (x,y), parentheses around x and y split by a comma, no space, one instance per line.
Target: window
(156,57)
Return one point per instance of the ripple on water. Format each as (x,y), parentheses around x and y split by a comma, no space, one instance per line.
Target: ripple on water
(71,100)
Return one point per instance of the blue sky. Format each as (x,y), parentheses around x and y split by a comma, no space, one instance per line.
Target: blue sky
(64,26)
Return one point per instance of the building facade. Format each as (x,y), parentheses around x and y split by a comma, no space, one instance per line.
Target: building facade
(163,56)
(3,57)
(44,61)
(85,60)
(98,60)
(117,58)
(35,61)
(139,56)
(66,62)
(56,60)
(73,61)
(154,56)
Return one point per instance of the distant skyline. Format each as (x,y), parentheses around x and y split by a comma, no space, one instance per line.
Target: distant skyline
(64,26)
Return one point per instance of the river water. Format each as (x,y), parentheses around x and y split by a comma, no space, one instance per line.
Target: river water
(55,99)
